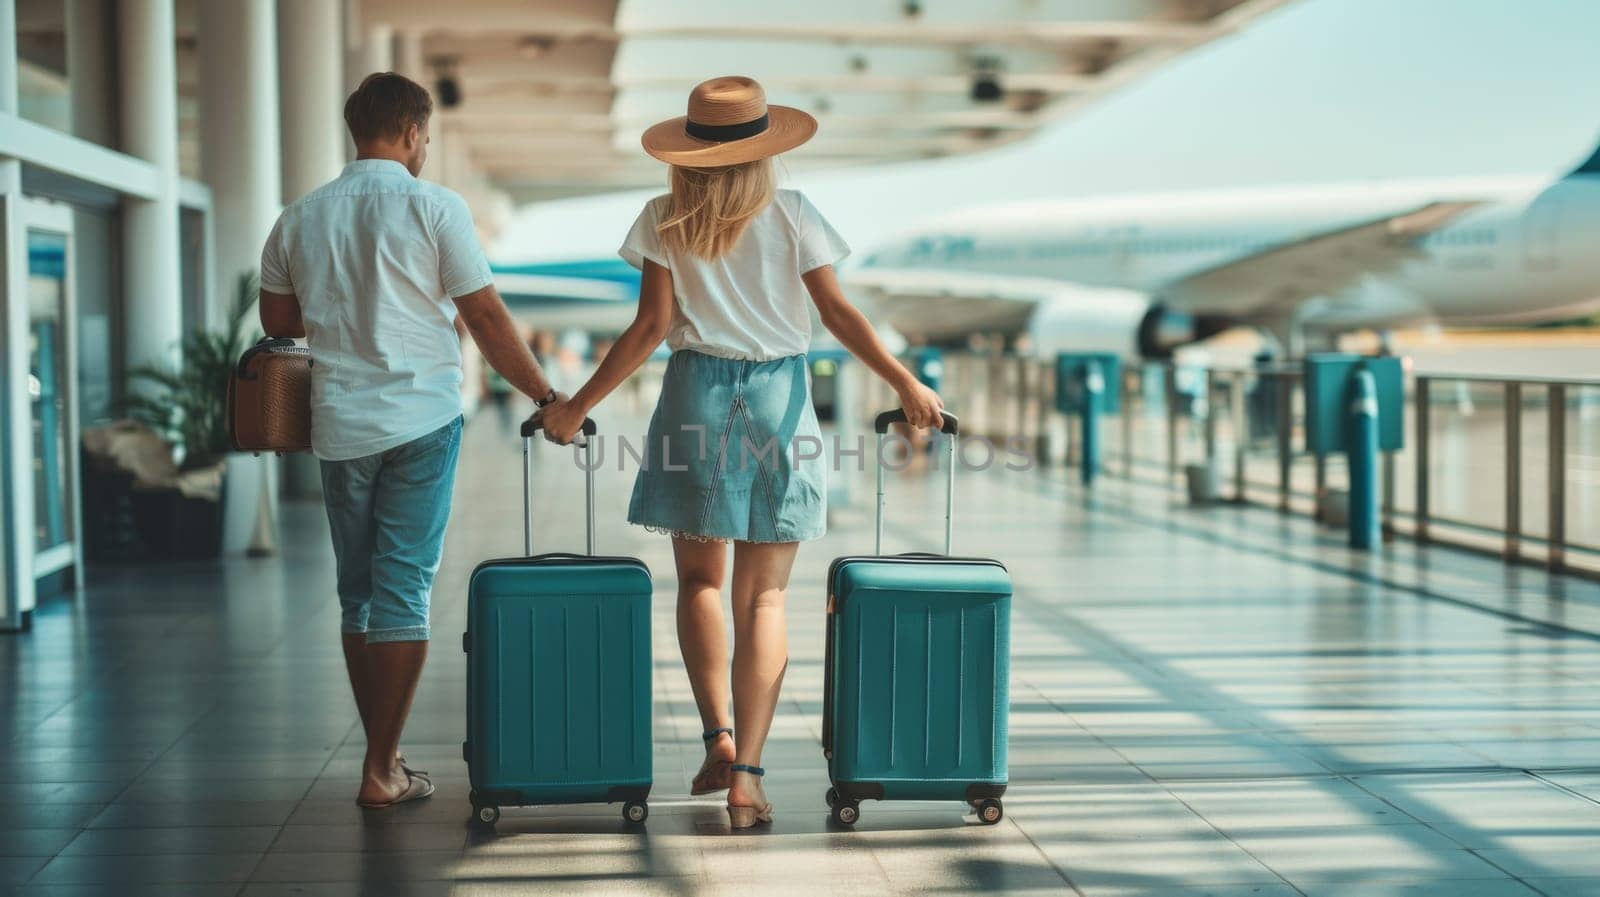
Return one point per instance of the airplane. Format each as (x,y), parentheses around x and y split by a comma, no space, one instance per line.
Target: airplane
(1147,275)
(597,294)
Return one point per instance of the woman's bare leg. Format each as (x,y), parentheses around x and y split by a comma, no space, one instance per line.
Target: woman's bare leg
(760,654)
(703,641)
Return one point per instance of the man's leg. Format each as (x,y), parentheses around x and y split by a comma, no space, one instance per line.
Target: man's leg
(358,664)
(395,669)
(411,508)
(358,669)
(347,494)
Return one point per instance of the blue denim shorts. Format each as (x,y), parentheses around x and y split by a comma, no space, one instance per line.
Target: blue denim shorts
(733,453)
(388,513)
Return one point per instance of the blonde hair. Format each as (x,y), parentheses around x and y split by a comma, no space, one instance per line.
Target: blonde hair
(711,206)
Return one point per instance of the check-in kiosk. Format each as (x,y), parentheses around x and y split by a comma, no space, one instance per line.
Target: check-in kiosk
(825,372)
(1354,405)
(1087,384)
(928,364)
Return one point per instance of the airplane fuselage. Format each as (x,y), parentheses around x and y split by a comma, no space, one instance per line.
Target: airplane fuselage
(1529,251)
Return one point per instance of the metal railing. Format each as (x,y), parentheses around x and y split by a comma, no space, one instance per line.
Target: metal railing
(1524,403)
(1505,465)
(1446,486)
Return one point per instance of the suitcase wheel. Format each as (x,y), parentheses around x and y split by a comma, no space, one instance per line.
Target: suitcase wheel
(488,815)
(990,811)
(635,811)
(846,812)
(832,797)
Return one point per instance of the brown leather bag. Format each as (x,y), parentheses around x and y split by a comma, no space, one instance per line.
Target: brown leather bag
(269,398)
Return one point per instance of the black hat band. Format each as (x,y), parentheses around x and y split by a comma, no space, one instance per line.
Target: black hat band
(723,133)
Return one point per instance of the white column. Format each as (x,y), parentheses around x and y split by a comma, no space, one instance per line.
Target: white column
(149,85)
(239,131)
(10,169)
(16,425)
(368,49)
(452,166)
(90,54)
(239,155)
(310,79)
(408,59)
(377,52)
(434,169)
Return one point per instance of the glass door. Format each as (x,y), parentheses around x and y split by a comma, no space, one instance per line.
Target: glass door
(52,395)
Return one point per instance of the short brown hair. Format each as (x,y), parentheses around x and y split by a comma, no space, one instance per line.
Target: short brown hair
(385,105)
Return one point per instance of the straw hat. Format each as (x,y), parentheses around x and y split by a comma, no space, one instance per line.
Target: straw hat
(729,122)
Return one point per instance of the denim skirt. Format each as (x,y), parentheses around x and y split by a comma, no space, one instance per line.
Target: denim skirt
(734,453)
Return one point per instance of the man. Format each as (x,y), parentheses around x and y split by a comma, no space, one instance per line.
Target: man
(372,269)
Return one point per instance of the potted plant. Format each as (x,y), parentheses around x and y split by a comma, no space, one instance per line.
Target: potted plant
(187,406)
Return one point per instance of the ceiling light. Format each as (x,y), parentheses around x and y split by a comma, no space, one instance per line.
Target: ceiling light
(986,88)
(446,85)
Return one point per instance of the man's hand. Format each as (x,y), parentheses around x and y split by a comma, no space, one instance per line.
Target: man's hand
(561,420)
(922,406)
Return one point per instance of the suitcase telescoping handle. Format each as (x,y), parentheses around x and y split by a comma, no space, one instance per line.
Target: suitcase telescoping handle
(951,427)
(529,427)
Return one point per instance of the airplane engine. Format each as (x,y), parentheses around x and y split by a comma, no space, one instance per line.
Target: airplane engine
(1164,330)
(1087,319)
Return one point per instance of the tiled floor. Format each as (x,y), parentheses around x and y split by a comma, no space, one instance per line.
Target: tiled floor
(1203,702)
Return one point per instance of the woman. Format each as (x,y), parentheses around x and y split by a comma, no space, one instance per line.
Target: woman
(727,262)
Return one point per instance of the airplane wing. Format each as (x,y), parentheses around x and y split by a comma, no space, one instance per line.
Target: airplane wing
(1276,279)
(949,307)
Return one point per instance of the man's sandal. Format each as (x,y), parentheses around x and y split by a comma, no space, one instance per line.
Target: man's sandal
(418,786)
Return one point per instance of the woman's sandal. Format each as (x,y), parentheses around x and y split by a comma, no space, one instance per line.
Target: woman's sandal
(746,817)
(714,775)
(418,786)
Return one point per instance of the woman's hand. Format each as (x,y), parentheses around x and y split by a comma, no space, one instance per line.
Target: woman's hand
(922,405)
(561,420)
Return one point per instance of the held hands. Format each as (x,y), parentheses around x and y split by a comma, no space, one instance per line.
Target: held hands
(561,419)
(922,405)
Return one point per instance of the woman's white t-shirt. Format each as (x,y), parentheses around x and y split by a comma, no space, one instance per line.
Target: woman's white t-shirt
(750,304)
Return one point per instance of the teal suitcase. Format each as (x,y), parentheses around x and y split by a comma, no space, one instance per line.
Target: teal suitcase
(916,686)
(558,675)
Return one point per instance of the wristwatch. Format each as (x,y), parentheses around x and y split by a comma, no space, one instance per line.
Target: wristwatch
(548,398)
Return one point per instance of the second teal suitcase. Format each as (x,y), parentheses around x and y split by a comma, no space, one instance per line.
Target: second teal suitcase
(916,681)
(558,676)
